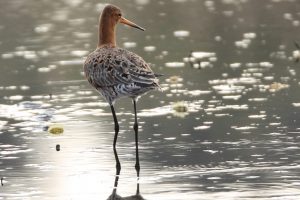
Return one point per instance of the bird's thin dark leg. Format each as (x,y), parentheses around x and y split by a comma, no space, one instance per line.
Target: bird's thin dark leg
(135,127)
(118,164)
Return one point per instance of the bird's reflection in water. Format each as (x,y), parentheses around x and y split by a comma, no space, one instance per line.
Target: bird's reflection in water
(114,195)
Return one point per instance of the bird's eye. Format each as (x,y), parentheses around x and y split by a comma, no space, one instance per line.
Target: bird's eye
(119,14)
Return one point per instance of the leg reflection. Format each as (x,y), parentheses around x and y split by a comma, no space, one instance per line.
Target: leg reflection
(114,195)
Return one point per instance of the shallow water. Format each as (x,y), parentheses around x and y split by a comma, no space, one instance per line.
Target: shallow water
(225,127)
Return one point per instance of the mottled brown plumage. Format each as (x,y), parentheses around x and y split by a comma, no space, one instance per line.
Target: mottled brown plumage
(116,72)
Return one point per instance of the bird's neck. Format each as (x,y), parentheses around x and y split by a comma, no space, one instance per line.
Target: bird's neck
(107,33)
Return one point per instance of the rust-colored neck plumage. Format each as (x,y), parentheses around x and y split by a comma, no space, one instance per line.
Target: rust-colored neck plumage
(107,33)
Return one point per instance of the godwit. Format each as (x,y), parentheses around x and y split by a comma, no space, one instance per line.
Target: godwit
(116,72)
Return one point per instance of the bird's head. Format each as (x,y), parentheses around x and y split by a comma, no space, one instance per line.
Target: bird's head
(114,13)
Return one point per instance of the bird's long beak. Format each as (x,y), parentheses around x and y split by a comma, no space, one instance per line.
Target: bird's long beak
(129,23)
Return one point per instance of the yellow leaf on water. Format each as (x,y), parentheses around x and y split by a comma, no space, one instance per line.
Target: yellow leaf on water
(56,129)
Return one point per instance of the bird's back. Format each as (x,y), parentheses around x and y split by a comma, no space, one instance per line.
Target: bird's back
(116,72)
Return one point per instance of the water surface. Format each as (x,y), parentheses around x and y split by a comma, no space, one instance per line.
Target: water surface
(225,127)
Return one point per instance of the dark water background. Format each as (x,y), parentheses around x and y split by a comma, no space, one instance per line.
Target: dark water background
(237,137)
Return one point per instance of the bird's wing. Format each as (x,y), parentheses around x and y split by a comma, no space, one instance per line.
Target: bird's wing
(118,67)
(138,69)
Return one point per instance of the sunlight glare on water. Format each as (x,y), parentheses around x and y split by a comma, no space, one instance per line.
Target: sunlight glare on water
(226,125)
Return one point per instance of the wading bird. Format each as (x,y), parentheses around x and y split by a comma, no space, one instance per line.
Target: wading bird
(116,72)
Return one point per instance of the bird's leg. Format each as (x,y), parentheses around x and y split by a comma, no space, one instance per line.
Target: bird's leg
(135,127)
(118,164)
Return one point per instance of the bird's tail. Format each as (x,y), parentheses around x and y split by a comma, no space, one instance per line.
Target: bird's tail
(158,75)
